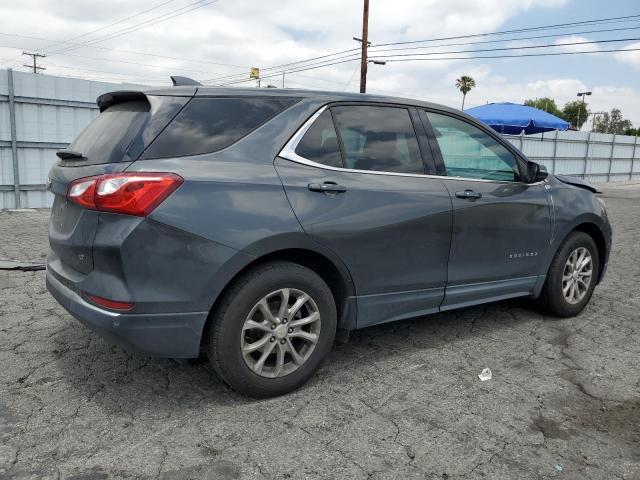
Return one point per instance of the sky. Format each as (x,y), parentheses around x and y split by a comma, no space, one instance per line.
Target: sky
(146,41)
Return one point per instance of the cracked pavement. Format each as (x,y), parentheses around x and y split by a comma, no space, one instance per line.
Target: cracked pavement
(401,400)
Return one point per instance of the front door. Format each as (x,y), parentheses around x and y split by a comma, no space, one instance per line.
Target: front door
(501,225)
(361,190)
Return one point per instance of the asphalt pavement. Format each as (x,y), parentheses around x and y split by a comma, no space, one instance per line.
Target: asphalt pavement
(398,401)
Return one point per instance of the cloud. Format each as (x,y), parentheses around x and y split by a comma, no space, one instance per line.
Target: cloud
(630,58)
(245,33)
(562,42)
(249,33)
(563,90)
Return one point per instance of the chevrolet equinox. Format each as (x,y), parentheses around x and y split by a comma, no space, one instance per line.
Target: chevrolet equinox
(253,226)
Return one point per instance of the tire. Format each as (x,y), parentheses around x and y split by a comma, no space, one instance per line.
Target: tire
(552,298)
(232,334)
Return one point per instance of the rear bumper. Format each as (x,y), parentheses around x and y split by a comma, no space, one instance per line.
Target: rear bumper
(174,335)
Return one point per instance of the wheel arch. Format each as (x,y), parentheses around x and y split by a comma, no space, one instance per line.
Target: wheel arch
(322,261)
(595,232)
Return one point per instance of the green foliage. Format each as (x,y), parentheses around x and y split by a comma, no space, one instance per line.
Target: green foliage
(545,103)
(633,132)
(465,83)
(612,123)
(576,113)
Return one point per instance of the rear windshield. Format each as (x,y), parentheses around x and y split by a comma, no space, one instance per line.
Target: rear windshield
(124,130)
(207,125)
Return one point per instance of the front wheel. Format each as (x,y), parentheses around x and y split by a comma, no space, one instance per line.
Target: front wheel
(572,276)
(272,329)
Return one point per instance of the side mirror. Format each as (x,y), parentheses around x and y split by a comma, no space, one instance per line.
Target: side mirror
(536,172)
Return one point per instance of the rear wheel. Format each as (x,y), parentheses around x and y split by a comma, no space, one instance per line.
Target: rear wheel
(272,329)
(572,276)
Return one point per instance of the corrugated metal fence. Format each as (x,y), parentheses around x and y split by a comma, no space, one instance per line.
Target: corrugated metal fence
(598,157)
(40,114)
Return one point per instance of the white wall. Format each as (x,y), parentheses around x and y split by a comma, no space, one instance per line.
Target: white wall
(49,112)
(599,157)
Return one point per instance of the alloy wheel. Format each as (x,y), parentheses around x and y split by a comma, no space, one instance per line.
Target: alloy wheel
(577,275)
(280,332)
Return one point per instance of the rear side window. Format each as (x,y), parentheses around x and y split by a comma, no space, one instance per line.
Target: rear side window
(207,125)
(320,143)
(378,138)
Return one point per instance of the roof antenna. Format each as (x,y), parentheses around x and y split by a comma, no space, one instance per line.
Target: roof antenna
(181,81)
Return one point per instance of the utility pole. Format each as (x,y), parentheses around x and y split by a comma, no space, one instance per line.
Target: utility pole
(365,44)
(35,56)
(283,79)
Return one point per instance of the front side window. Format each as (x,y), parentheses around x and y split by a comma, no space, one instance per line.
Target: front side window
(378,138)
(320,143)
(469,152)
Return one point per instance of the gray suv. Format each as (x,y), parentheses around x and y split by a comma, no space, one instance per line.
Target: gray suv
(253,226)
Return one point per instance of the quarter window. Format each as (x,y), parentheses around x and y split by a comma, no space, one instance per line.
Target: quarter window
(320,143)
(378,138)
(469,152)
(207,125)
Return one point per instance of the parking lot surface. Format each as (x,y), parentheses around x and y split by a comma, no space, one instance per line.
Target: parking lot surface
(398,401)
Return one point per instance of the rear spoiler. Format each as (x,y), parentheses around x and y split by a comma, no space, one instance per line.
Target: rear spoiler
(181,81)
(104,101)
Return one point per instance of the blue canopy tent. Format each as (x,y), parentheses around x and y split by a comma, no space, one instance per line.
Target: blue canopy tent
(513,119)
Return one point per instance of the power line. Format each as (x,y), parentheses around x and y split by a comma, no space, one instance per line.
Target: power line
(118,50)
(548,54)
(289,64)
(58,42)
(504,32)
(79,69)
(110,25)
(497,49)
(302,69)
(113,60)
(299,62)
(535,37)
(520,30)
(352,57)
(147,23)
(35,57)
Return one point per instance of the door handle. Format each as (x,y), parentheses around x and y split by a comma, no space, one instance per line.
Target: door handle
(468,194)
(327,187)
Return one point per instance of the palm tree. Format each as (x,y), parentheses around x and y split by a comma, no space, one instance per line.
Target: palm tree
(465,84)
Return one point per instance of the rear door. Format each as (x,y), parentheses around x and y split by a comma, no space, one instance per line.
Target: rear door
(362,190)
(501,224)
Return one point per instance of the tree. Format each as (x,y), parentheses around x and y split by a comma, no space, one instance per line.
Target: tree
(575,113)
(612,123)
(545,103)
(465,84)
(633,132)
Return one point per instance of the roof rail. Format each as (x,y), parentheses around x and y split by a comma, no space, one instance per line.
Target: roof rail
(180,81)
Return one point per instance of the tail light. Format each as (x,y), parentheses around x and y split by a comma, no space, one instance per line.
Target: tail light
(111,304)
(132,193)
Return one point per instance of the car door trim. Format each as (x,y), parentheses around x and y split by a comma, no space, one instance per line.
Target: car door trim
(288,152)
